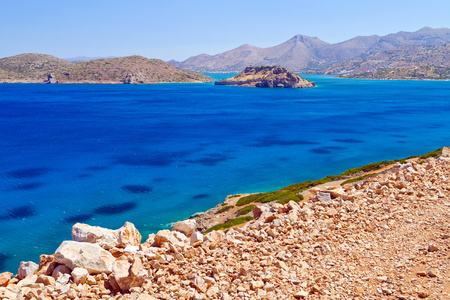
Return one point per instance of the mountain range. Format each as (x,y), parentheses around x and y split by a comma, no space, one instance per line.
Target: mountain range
(36,68)
(310,54)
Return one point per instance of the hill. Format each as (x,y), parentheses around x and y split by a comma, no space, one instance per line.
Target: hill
(35,68)
(405,62)
(306,54)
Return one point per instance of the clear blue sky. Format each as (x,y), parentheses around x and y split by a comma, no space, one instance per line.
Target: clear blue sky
(174,29)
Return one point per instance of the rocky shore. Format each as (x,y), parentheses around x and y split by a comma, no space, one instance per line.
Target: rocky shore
(386,237)
(267,76)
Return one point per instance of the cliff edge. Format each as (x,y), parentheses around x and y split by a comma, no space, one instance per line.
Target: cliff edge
(267,76)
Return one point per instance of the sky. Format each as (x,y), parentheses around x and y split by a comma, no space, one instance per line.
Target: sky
(176,29)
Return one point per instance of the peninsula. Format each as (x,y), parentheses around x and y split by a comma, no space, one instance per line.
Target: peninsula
(267,76)
(42,68)
(381,237)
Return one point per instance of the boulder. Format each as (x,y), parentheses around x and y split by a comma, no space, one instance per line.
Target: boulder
(5,277)
(89,256)
(107,238)
(128,235)
(125,275)
(27,268)
(46,280)
(214,236)
(166,236)
(187,226)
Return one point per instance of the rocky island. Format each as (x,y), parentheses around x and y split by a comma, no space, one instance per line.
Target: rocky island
(267,76)
(383,237)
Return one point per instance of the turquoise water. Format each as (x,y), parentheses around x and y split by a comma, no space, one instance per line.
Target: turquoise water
(155,154)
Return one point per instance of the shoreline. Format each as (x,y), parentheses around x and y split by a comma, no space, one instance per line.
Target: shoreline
(281,252)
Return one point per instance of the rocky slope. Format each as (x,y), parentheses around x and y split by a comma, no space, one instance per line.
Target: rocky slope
(405,62)
(267,76)
(382,238)
(35,68)
(310,54)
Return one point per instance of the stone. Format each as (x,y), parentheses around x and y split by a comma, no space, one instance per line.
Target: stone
(50,79)
(214,236)
(187,227)
(324,197)
(89,256)
(257,284)
(107,238)
(27,268)
(125,277)
(166,236)
(432,248)
(79,275)
(60,271)
(46,280)
(301,294)
(5,277)
(196,239)
(259,209)
(128,235)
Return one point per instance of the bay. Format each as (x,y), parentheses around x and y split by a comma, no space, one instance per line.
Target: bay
(155,154)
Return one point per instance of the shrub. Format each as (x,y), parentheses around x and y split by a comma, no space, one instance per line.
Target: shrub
(245,210)
(269,197)
(230,223)
(224,209)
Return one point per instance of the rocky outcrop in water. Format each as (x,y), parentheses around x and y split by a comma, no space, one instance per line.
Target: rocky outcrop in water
(267,76)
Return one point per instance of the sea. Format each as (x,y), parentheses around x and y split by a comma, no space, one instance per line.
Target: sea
(155,154)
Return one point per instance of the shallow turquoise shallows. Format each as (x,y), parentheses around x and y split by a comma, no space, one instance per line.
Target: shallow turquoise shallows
(155,154)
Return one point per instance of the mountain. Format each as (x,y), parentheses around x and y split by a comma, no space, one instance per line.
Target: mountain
(35,68)
(304,53)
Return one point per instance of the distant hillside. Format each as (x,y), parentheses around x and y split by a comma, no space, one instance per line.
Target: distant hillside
(405,62)
(86,58)
(35,68)
(308,54)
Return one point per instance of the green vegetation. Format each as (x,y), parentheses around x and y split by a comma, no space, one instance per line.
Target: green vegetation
(356,179)
(245,210)
(269,197)
(230,223)
(224,209)
(369,167)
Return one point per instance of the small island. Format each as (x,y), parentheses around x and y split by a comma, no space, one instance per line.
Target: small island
(267,76)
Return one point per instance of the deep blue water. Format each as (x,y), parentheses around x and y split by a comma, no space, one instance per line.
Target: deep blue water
(155,154)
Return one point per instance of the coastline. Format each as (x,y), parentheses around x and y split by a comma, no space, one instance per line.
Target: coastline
(368,215)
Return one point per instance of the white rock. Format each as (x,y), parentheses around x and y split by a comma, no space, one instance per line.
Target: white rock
(79,275)
(187,226)
(107,238)
(84,255)
(27,268)
(196,239)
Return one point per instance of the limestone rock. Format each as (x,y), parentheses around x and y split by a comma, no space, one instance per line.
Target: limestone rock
(259,209)
(107,238)
(124,275)
(187,226)
(89,256)
(27,268)
(166,236)
(79,275)
(196,239)
(46,280)
(4,278)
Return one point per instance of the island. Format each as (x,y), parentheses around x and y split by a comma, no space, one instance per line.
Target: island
(267,76)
